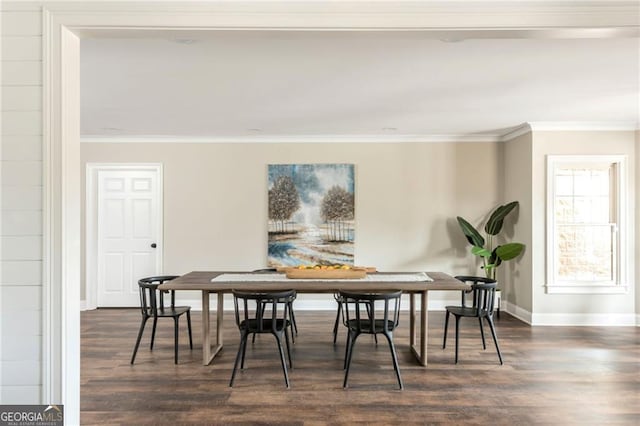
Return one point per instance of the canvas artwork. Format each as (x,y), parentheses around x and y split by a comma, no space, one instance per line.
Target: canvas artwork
(311,214)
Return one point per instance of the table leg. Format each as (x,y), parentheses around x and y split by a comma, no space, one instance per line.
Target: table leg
(219,321)
(207,353)
(412,320)
(421,355)
(424,327)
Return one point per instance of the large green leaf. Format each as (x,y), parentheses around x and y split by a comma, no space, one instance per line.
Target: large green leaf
(509,250)
(473,236)
(494,224)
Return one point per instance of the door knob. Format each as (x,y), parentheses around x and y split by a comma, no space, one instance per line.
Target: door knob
(153,245)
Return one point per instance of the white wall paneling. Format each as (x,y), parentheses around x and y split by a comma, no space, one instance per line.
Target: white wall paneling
(29,295)
(21,123)
(22,247)
(22,98)
(21,173)
(20,347)
(21,73)
(21,197)
(21,153)
(21,373)
(21,48)
(22,23)
(12,394)
(21,148)
(16,222)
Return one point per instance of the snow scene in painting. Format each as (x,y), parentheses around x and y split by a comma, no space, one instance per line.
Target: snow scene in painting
(311,214)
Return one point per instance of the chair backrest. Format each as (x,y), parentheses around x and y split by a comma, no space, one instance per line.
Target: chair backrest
(148,288)
(484,292)
(388,310)
(249,308)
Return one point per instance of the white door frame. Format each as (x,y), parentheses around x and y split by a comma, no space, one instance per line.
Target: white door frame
(91,226)
(64,23)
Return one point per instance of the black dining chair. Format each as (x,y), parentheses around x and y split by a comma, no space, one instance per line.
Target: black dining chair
(372,320)
(152,306)
(483,292)
(250,319)
(292,315)
(340,300)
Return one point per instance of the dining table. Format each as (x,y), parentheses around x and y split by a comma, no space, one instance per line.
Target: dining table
(415,284)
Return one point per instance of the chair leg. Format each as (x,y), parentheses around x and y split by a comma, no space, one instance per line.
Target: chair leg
(189,328)
(484,345)
(243,343)
(293,320)
(394,356)
(135,349)
(335,324)
(348,360)
(244,349)
(175,339)
(282,361)
(286,340)
(457,335)
(495,338)
(347,349)
(446,325)
(375,335)
(153,332)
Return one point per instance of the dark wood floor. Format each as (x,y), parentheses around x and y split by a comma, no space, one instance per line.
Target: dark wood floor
(551,376)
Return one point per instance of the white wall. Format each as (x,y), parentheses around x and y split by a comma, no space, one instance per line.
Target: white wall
(515,275)
(21,232)
(572,308)
(407,198)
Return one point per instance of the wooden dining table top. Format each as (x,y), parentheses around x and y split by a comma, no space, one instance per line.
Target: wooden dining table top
(201,280)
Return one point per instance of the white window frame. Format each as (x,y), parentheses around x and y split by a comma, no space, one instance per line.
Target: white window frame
(621,250)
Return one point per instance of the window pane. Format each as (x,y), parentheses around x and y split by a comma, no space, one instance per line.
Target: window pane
(600,209)
(585,253)
(601,182)
(582,182)
(564,209)
(564,182)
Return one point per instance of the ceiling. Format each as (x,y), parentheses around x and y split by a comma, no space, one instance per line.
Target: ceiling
(303,84)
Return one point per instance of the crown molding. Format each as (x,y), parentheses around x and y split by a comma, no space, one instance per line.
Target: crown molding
(584,126)
(293,139)
(517,131)
(510,134)
(354,15)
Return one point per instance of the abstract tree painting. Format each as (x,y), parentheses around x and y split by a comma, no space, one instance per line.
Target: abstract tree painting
(311,214)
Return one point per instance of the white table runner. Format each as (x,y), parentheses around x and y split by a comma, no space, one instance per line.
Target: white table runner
(277,277)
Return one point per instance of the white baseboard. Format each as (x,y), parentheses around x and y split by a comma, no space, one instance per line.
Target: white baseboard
(569,319)
(516,311)
(319,302)
(586,319)
(83,305)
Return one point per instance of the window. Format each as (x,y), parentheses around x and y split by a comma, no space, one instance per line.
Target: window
(586,244)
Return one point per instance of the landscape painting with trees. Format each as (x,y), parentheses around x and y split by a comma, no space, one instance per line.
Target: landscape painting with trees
(311,214)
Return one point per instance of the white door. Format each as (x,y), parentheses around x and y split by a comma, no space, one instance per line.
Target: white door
(128,233)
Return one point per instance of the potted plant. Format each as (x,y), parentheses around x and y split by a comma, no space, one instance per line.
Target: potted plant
(492,253)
